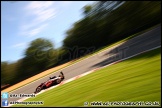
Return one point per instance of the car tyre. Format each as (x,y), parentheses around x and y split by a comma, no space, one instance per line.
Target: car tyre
(38,89)
(58,81)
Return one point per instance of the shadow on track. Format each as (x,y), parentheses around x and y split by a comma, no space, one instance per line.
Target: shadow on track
(135,45)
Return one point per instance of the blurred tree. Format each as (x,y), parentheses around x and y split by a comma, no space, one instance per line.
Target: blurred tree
(106,22)
(38,45)
(38,55)
(3,72)
(8,72)
(87,9)
(103,8)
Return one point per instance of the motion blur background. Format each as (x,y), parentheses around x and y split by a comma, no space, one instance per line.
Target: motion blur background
(103,23)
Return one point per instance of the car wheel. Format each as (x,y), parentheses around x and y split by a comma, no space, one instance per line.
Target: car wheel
(38,89)
(58,81)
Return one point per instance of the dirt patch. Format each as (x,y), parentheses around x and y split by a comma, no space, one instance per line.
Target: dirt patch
(35,77)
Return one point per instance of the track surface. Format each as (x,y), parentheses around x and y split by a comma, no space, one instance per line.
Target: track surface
(135,45)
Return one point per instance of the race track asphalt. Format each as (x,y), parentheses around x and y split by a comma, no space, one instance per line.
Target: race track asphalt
(133,46)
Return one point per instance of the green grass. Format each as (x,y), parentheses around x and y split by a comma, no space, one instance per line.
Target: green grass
(135,79)
(98,51)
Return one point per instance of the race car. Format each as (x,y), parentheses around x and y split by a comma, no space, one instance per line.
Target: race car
(50,82)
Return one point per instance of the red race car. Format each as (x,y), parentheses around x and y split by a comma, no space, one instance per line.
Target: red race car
(50,82)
